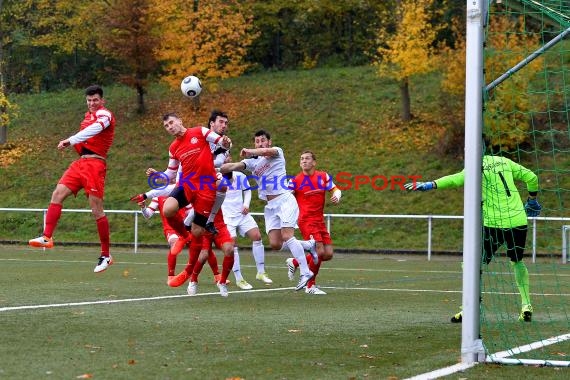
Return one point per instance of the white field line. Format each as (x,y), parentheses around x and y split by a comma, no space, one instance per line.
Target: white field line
(528,347)
(459,367)
(103,302)
(107,302)
(458,272)
(426,376)
(158,298)
(115,262)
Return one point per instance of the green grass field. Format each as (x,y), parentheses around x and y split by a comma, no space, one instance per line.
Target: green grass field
(384,317)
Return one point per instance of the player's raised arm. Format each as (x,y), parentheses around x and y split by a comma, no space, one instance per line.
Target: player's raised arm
(257,152)
(232,166)
(213,137)
(420,186)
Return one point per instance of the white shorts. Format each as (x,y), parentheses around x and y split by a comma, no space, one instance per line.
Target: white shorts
(281,212)
(240,225)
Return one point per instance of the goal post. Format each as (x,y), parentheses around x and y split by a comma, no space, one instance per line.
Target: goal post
(471,346)
(521,49)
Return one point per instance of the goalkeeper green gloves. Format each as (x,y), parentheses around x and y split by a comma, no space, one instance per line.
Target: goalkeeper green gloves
(420,186)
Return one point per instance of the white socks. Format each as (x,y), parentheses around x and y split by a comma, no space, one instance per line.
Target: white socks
(236,268)
(258,255)
(298,253)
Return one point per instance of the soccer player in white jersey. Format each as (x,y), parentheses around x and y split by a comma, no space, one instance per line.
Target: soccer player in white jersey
(238,220)
(218,123)
(267,164)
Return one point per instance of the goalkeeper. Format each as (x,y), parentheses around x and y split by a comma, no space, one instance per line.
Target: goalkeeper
(504,216)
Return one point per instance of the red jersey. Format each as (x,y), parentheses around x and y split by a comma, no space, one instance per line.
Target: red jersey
(102,141)
(310,193)
(192,151)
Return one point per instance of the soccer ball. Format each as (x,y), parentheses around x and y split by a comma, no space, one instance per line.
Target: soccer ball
(191,86)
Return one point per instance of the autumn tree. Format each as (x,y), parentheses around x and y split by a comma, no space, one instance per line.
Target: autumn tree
(128,35)
(208,39)
(2,39)
(508,105)
(6,108)
(409,49)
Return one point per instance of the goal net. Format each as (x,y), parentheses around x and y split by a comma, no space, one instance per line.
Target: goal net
(526,117)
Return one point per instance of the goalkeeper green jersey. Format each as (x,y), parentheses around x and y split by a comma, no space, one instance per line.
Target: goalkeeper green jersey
(502,204)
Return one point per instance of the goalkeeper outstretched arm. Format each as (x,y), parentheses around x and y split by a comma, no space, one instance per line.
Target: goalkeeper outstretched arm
(449,181)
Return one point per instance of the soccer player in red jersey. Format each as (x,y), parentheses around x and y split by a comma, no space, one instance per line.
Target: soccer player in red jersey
(197,182)
(92,143)
(224,242)
(171,234)
(310,187)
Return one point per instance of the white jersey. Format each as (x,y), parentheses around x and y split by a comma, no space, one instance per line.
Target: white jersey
(220,154)
(238,195)
(269,173)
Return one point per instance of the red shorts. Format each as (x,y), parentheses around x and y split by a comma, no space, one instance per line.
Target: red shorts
(87,174)
(202,200)
(316,228)
(222,237)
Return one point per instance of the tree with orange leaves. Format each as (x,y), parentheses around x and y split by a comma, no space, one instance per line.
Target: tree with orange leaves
(508,105)
(128,35)
(208,39)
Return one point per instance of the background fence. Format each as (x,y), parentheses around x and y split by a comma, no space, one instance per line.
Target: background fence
(539,228)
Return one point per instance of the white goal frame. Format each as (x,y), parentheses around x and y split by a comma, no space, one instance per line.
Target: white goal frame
(472,349)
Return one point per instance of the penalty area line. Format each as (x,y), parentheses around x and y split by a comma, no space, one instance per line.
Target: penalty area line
(159,298)
(142,299)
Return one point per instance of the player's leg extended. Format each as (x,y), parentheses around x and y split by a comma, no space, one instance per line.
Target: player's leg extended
(296,249)
(236,268)
(258,251)
(516,239)
(194,252)
(227,264)
(213,263)
(522,280)
(232,229)
(53,214)
(220,197)
(171,257)
(105,260)
(324,251)
(458,317)
(291,244)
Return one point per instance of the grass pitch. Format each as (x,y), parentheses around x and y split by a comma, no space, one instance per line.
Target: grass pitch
(383,317)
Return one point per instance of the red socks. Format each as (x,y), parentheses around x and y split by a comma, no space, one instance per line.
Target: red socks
(227,266)
(313,268)
(171,264)
(52,217)
(103,229)
(213,262)
(54,213)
